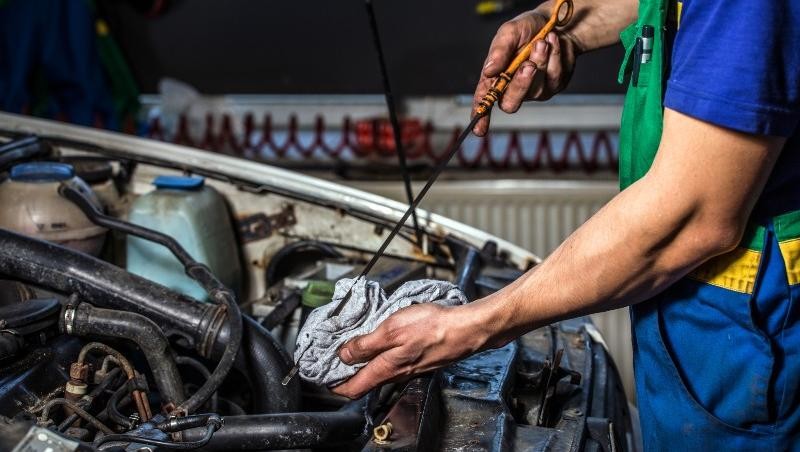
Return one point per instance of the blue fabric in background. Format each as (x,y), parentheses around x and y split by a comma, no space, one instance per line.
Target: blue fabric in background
(53,41)
(736,63)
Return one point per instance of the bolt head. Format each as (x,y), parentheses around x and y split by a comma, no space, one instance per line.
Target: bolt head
(79,372)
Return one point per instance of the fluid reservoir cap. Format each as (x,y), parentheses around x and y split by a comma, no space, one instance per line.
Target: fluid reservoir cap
(317,293)
(42,172)
(179,182)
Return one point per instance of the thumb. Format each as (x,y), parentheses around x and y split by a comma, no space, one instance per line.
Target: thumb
(363,348)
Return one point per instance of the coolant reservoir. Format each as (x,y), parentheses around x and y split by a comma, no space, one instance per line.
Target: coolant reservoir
(30,205)
(197,217)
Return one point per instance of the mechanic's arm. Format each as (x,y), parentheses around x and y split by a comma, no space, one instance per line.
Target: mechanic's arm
(692,205)
(595,24)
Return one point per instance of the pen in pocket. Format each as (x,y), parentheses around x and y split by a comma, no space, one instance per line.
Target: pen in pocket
(647,43)
(637,61)
(642,52)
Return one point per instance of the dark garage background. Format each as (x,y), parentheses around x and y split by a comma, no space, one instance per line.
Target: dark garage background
(321,46)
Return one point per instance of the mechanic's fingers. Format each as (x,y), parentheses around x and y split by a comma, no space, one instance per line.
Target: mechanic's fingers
(554,65)
(483,87)
(363,348)
(539,56)
(503,48)
(380,370)
(518,88)
(482,126)
(527,80)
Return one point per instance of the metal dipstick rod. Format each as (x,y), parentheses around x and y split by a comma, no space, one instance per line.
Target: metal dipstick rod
(437,171)
(484,107)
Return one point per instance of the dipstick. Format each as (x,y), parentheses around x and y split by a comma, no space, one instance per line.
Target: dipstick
(484,107)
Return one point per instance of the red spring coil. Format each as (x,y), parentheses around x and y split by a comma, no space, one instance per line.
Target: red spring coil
(374,139)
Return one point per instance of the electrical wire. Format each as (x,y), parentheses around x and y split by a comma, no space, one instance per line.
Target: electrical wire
(77,410)
(137,395)
(89,398)
(213,424)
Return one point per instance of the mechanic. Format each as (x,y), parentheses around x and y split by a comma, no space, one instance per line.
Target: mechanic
(703,241)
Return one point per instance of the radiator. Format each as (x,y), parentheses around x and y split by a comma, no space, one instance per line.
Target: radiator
(535,214)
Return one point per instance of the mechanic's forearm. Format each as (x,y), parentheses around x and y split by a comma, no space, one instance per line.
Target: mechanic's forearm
(636,246)
(596,23)
(692,204)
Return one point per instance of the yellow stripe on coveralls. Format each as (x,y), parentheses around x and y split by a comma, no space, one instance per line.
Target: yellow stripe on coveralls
(790,250)
(734,271)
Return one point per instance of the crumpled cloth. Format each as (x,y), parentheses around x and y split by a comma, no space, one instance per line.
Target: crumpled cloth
(318,342)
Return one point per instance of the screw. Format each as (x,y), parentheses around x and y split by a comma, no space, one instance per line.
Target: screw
(382,433)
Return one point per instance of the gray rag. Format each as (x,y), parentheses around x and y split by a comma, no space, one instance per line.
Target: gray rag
(318,343)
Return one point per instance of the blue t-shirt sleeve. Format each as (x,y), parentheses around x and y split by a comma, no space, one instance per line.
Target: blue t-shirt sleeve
(736,63)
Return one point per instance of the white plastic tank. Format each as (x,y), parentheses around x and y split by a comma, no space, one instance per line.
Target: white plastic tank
(30,205)
(197,217)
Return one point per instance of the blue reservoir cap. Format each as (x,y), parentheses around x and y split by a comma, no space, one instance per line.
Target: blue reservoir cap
(179,182)
(42,172)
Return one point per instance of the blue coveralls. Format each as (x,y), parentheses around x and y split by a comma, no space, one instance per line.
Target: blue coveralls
(716,355)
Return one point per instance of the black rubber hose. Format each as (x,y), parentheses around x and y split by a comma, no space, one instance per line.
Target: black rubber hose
(228,358)
(102,284)
(11,344)
(203,371)
(124,401)
(23,149)
(282,311)
(198,271)
(231,407)
(287,430)
(112,407)
(286,261)
(467,267)
(266,363)
(88,320)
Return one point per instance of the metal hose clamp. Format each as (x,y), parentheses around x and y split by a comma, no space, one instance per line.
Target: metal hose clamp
(69,319)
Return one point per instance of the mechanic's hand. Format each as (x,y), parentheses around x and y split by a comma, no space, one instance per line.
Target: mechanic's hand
(413,340)
(546,72)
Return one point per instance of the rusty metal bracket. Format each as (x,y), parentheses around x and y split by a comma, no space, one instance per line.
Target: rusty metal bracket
(261,226)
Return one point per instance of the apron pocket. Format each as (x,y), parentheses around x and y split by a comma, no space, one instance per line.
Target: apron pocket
(722,364)
(628,39)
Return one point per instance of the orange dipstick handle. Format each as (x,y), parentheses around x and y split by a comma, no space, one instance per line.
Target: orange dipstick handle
(501,82)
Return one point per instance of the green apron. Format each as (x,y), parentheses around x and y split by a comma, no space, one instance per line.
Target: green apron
(643,112)
(711,373)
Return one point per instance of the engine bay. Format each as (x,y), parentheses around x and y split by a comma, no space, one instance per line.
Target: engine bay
(151,302)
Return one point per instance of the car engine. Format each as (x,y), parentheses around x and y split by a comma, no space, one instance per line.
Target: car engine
(151,301)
